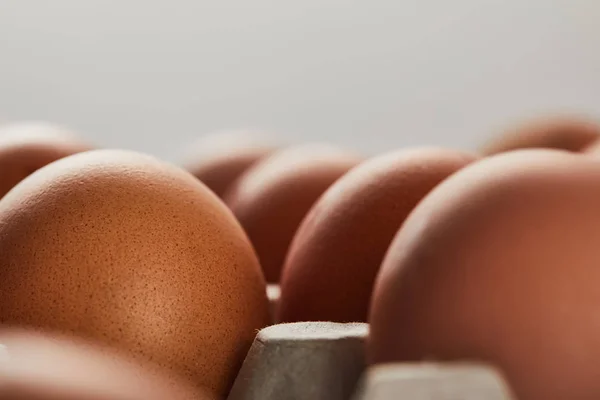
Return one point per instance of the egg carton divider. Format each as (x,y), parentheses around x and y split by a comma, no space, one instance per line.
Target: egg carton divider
(325,361)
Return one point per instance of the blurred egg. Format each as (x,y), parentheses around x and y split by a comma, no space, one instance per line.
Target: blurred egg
(46,367)
(563,133)
(499,264)
(28,146)
(220,158)
(135,253)
(338,249)
(593,149)
(273,196)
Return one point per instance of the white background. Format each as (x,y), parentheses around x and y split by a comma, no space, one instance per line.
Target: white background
(371,74)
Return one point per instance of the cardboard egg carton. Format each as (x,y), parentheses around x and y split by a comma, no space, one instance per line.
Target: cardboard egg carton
(326,361)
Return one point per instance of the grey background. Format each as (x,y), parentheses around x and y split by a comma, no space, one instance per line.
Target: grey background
(372,75)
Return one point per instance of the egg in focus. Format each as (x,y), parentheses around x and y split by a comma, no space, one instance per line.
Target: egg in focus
(134,253)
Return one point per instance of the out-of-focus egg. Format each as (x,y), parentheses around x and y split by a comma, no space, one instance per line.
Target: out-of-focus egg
(220,158)
(593,149)
(572,134)
(27,146)
(34,366)
(121,248)
(338,249)
(499,264)
(273,196)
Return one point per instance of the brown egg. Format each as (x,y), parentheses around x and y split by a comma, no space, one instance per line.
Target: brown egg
(43,367)
(499,264)
(334,258)
(220,158)
(123,249)
(593,149)
(566,133)
(28,146)
(272,197)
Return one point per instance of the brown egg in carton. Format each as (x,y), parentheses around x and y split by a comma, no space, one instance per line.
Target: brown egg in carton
(108,241)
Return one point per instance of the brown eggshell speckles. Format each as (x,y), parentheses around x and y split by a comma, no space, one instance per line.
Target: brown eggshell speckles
(566,133)
(272,197)
(42,367)
(135,253)
(499,264)
(336,253)
(220,158)
(27,146)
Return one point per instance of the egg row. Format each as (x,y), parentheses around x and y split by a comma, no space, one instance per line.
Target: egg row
(448,255)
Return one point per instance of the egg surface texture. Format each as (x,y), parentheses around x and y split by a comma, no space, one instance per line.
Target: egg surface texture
(499,264)
(336,253)
(271,198)
(572,134)
(124,249)
(220,158)
(46,367)
(25,147)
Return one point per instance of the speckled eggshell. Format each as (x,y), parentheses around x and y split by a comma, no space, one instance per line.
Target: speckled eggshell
(499,264)
(334,258)
(123,249)
(218,159)
(271,198)
(34,366)
(27,146)
(563,133)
